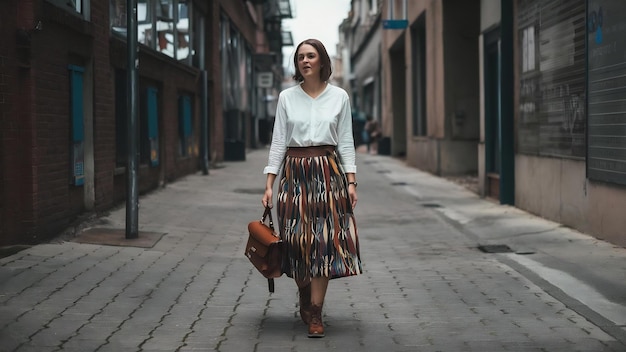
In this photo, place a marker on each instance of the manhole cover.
(495, 248)
(399, 183)
(383, 171)
(431, 205)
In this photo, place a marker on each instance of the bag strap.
(268, 213)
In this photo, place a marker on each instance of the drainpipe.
(204, 103)
(507, 128)
(204, 124)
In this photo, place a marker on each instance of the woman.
(312, 142)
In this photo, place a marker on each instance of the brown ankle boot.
(316, 326)
(305, 303)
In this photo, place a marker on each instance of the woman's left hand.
(352, 194)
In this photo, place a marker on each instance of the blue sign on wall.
(395, 24)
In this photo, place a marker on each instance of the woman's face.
(309, 63)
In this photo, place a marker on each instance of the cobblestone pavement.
(426, 286)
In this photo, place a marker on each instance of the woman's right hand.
(267, 198)
(269, 185)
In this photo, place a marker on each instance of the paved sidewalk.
(426, 286)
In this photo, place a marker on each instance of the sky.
(319, 19)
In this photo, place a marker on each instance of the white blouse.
(303, 121)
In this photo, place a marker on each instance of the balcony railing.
(277, 10)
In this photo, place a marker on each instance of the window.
(117, 14)
(418, 51)
(162, 25)
(77, 117)
(149, 127)
(528, 49)
(148, 123)
(185, 126)
(373, 7)
(81, 7)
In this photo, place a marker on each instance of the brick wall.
(17, 142)
(37, 200)
(216, 121)
(104, 107)
(171, 79)
(36, 119)
(7, 131)
(65, 39)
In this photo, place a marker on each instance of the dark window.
(418, 35)
(185, 127)
(78, 133)
(80, 7)
(149, 127)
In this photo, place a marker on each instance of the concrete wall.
(424, 154)
(490, 12)
(451, 88)
(396, 42)
(557, 189)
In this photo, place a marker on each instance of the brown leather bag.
(264, 248)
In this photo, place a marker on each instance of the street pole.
(204, 117)
(205, 123)
(132, 193)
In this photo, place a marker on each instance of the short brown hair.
(326, 69)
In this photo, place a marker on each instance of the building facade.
(64, 107)
(527, 93)
(552, 140)
(569, 89)
(361, 46)
(430, 111)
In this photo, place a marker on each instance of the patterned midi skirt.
(316, 219)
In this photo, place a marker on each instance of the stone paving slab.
(426, 286)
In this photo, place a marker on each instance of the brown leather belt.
(308, 152)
